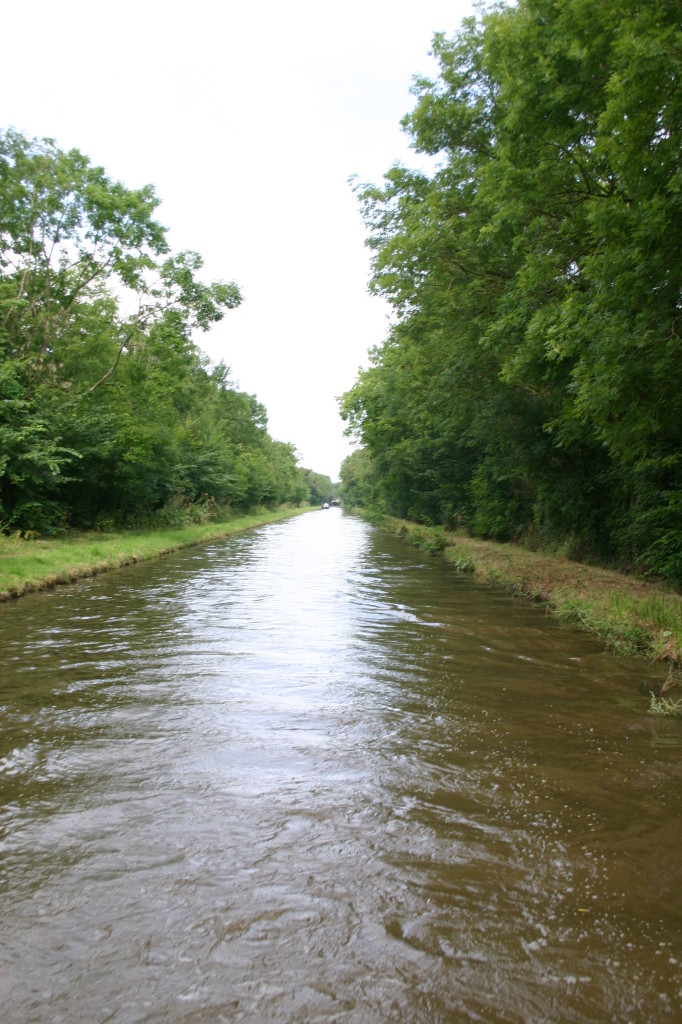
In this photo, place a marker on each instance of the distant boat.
(325, 505)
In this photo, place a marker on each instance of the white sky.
(248, 118)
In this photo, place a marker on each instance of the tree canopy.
(531, 384)
(109, 411)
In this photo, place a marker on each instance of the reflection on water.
(307, 774)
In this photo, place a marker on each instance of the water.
(311, 775)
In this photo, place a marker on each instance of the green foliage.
(359, 482)
(462, 563)
(428, 539)
(109, 412)
(320, 488)
(668, 707)
(531, 383)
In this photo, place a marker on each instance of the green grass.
(37, 564)
(631, 615)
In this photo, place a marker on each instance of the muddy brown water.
(309, 774)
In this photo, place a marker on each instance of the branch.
(124, 345)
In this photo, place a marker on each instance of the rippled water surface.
(308, 774)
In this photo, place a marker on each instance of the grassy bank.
(631, 615)
(38, 564)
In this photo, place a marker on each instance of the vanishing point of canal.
(309, 774)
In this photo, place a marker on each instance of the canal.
(309, 774)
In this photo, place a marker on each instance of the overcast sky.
(248, 118)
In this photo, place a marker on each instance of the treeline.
(531, 383)
(109, 412)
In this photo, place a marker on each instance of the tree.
(531, 382)
(108, 407)
(359, 483)
(319, 487)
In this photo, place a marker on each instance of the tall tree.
(108, 408)
(531, 383)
